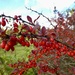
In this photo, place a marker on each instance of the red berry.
(2, 45)
(7, 47)
(23, 43)
(22, 38)
(3, 23)
(27, 44)
(12, 48)
(34, 52)
(15, 24)
(31, 41)
(72, 54)
(35, 44)
(10, 43)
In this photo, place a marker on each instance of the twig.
(40, 14)
(2, 15)
(64, 43)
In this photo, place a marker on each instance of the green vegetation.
(21, 53)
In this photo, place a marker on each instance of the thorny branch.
(41, 15)
(34, 35)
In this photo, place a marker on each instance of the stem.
(57, 73)
(2, 15)
(34, 71)
(15, 54)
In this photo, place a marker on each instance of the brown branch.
(64, 43)
(2, 15)
(40, 36)
(41, 15)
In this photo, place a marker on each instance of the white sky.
(49, 4)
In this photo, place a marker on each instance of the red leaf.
(15, 16)
(15, 24)
(29, 18)
(3, 23)
(37, 26)
(16, 29)
(6, 20)
(36, 18)
(43, 30)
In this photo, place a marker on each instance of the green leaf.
(8, 69)
(1, 60)
(1, 72)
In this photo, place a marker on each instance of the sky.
(17, 7)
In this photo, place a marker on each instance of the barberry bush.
(54, 48)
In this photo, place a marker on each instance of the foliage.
(6, 58)
(51, 46)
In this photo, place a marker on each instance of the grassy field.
(20, 53)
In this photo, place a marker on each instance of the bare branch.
(40, 14)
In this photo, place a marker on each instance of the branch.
(40, 36)
(2, 15)
(40, 14)
(64, 43)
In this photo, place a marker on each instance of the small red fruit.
(3, 23)
(12, 48)
(27, 44)
(34, 52)
(23, 43)
(2, 45)
(15, 24)
(16, 29)
(7, 47)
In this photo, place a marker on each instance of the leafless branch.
(40, 14)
